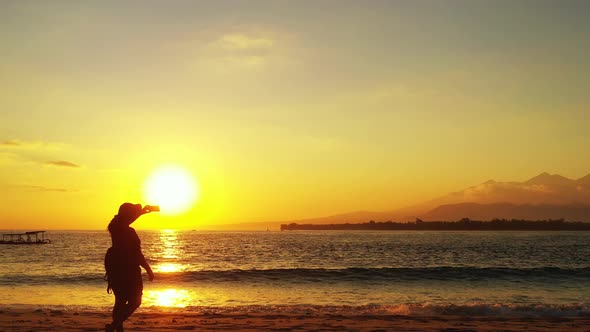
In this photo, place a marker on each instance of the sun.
(173, 188)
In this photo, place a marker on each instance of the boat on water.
(35, 237)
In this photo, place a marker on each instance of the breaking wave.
(408, 309)
(388, 275)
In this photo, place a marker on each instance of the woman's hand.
(150, 274)
(143, 263)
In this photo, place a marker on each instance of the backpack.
(109, 262)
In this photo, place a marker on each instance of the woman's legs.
(123, 309)
(119, 312)
(131, 306)
(127, 300)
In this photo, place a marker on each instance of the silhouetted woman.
(123, 263)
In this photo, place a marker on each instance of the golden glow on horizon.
(173, 188)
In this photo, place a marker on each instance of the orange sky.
(282, 110)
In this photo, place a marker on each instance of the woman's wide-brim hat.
(129, 210)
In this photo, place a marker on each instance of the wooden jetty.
(36, 237)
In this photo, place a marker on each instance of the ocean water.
(413, 273)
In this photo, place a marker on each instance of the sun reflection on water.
(178, 298)
(169, 252)
(170, 244)
(169, 267)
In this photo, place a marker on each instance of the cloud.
(35, 152)
(62, 163)
(240, 50)
(47, 189)
(11, 143)
(19, 144)
(240, 42)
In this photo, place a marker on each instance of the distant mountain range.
(544, 188)
(545, 196)
(572, 212)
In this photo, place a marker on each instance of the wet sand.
(63, 320)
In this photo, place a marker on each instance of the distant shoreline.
(461, 225)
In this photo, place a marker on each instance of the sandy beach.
(63, 320)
